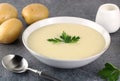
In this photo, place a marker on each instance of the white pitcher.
(108, 16)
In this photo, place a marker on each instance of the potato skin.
(34, 12)
(10, 30)
(7, 11)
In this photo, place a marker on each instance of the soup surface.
(90, 43)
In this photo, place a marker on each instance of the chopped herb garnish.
(64, 38)
(109, 72)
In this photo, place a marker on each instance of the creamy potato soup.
(90, 43)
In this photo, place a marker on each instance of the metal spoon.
(18, 64)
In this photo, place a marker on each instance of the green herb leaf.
(65, 38)
(109, 72)
(55, 40)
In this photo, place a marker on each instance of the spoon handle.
(43, 74)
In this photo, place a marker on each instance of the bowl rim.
(52, 18)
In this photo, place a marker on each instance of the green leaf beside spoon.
(109, 72)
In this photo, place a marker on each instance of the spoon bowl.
(15, 63)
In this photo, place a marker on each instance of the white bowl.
(65, 63)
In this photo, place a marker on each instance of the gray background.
(78, 8)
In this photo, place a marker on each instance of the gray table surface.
(78, 8)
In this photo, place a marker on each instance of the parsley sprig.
(64, 37)
(110, 72)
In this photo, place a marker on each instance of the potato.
(7, 11)
(10, 30)
(34, 12)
